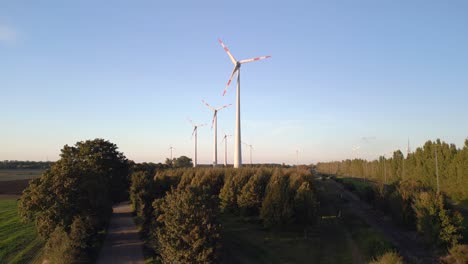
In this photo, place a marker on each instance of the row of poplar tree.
(180, 208)
(436, 164)
(418, 191)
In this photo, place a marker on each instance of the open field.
(13, 188)
(19, 174)
(19, 242)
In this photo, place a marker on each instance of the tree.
(438, 224)
(305, 206)
(251, 195)
(182, 162)
(187, 229)
(277, 208)
(81, 185)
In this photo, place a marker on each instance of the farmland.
(19, 174)
(19, 242)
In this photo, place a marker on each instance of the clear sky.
(132, 72)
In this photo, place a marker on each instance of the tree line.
(420, 165)
(16, 164)
(180, 209)
(417, 191)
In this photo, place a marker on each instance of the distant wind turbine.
(225, 148)
(250, 146)
(171, 148)
(214, 123)
(237, 137)
(195, 132)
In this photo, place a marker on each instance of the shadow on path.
(122, 243)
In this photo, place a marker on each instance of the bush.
(187, 229)
(388, 258)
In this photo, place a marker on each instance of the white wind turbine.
(171, 149)
(195, 132)
(237, 137)
(225, 148)
(214, 123)
(251, 148)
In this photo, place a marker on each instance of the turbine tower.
(250, 146)
(225, 148)
(171, 148)
(214, 123)
(237, 134)
(195, 132)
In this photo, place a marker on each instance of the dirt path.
(407, 243)
(122, 243)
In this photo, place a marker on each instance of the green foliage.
(187, 226)
(458, 254)
(180, 162)
(417, 166)
(435, 221)
(76, 194)
(277, 207)
(388, 258)
(234, 181)
(251, 195)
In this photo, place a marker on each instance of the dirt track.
(122, 243)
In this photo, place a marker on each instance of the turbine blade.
(236, 68)
(224, 106)
(194, 129)
(227, 51)
(254, 59)
(209, 106)
(199, 125)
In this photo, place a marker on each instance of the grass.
(19, 242)
(19, 174)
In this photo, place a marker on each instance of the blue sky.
(133, 72)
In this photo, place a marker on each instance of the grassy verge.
(19, 242)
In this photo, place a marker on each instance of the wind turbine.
(171, 148)
(250, 146)
(225, 148)
(237, 137)
(214, 123)
(195, 130)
